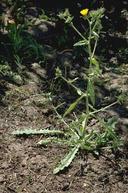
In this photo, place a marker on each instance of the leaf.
(46, 141)
(111, 122)
(67, 160)
(91, 91)
(81, 43)
(72, 106)
(69, 19)
(37, 132)
(96, 63)
(72, 81)
(84, 122)
(96, 35)
(79, 92)
(54, 140)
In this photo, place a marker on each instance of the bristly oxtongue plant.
(79, 135)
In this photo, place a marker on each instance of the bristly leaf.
(46, 141)
(81, 43)
(97, 67)
(56, 140)
(37, 132)
(91, 91)
(67, 160)
(72, 106)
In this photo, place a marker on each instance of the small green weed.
(21, 48)
(7, 73)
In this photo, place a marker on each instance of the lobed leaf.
(54, 140)
(67, 160)
(37, 132)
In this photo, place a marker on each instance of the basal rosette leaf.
(67, 160)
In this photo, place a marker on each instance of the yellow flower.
(84, 12)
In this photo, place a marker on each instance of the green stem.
(103, 109)
(72, 85)
(90, 66)
(94, 49)
(78, 32)
(89, 40)
(87, 115)
(62, 119)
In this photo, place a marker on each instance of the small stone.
(85, 185)
(65, 186)
(2, 178)
(4, 165)
(24, 163)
